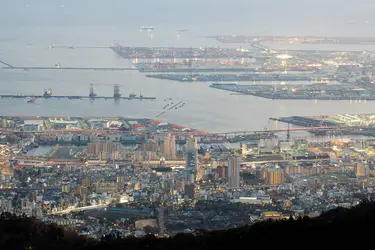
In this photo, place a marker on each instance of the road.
(79, 209)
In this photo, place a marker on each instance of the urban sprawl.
(137, 176)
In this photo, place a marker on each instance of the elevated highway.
(198, 133)
(78, 209)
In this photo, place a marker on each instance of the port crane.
(116, 92)
(92, 93)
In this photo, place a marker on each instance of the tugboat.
(31, 100)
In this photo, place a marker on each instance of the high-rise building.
(190, 191)
(93, 148)
(150, 146)
(191, 142)
(65, 187)
(221, 171)
(96, 148)
(243, 149)
(233, 172)
(168, 147)
(192, 159)
(274, 176)
(86, 182)
(360, 170)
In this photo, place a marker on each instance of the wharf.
(306, 121)
(170, 53)
(301, 92)
(68, 68)
(241, 78)
(190, 70)
(75, 97)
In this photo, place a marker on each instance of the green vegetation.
(83, 124)
(48, 123)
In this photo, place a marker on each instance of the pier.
(67, 68)
(92, 96)
(76, 97)
(301, 91)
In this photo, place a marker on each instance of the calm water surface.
(28, 28)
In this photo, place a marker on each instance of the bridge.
(282, 160)
(78, 47)
(7, 64)
(181, 133)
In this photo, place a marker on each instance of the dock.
(92, 96)
(241, 77)
(76, 97)
(301, 91)
(68, 68)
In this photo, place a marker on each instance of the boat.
(144, 28)
(31, 100)
(132, 95)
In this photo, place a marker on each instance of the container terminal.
(92, 96)
(248, 77)
(227, 66)
(301, 91)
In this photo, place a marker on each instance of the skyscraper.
(168, 148)
(233, 172)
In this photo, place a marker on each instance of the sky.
(305, 17)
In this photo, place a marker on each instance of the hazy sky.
(255, 15)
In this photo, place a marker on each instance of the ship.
(147, 28)
(31, 100)
(132, 95)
